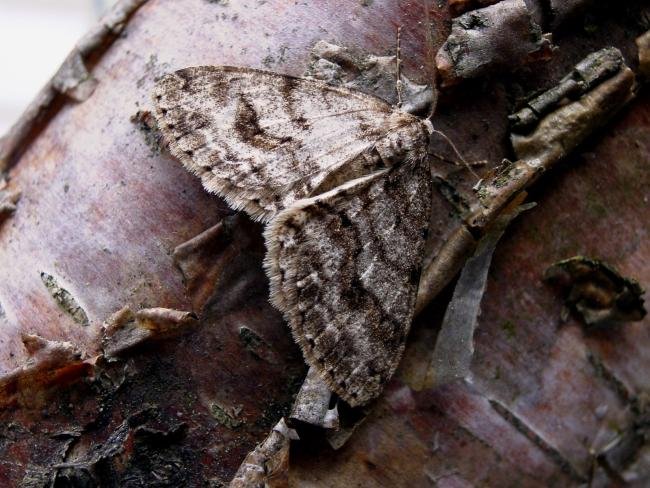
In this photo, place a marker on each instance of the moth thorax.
(408, 141)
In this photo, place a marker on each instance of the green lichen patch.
(509, 328)
(65, 300)
(226, 416)
(257, 346)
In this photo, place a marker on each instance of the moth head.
(428, 126)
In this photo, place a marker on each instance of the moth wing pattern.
(262, 140)
(345, 268)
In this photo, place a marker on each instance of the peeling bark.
(563, 130)
(52, 365)
(376, 75)
(126, 330)
(499, 37)
(555, 127)
(73, 78)
(267, 465)
(597, 293)
(147, 436)
(312, 404)
(452, 355)
(214, 261)
(589, 73)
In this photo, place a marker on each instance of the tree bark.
(138, 344)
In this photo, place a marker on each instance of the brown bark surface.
(107, 219)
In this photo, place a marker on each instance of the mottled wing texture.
(263, 140)
(344, 269)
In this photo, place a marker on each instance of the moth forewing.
(262, 140)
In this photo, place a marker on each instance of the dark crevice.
(554, 454)
(611, 380)
(546, 14)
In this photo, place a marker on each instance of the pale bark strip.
(444, 266)
(454, 348)
(268, 464)
(312, 404)
(72, 80)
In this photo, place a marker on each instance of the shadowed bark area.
(96, 217)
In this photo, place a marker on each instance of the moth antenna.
(398, 60)
(434, 39)
(456, 151)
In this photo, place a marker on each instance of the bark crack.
(553, 453)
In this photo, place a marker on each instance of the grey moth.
(342, 181)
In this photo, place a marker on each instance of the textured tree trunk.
(137, 343)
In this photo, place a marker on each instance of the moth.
(342, 181)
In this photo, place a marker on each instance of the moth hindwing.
(342, 179)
